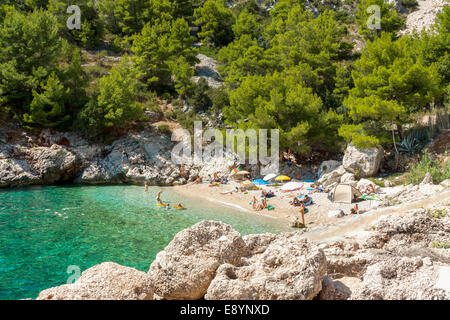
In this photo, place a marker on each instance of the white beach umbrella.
(269, 176)
(291, 186)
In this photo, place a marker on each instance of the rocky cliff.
(55, 157)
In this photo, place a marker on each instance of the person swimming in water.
(158, 197)
(146, 186)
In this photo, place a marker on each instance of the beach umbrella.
(269, 176)
(259, 182)
(234, 171)
(291, 186)
(282, 178)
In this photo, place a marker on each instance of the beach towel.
(369, 197)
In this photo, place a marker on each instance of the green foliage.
(434, 47)
(246, 24)
(282, 101)
(414, 142)
(159, 46)
(319, 44)
(47, 108)
(410, 3)
(92, 29)
(377, 182)
(220, 99)
(199, 98)
(34, 63)
(391, 83)
(437, 213)
(390, 21)
(440, 245)
(114, 106)
(164, 129)
(216, 22)
(183, 73)
(358, 136)
(439, 171)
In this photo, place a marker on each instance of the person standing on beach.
(158, 197)
(302, 212)
(254, 203)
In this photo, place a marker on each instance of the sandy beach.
(317, 215)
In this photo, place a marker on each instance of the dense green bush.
(439, 171)
(164, 129)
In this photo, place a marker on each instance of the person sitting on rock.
(355, 209)
(370, 189)
(124, 156)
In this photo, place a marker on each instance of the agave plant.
(414, 142)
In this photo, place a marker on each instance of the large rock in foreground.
(105, 281)
(399, 258)
(186, 267)
(362, 162)
(284, 267)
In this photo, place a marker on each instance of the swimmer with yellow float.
(179, 206)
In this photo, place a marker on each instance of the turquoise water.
(44, 230)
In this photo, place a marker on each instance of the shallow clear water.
(44, 230)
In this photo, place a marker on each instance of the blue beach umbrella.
(259, 182)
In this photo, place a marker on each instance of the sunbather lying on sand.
(267, 194)
(198, 180)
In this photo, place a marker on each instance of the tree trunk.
(395, 147)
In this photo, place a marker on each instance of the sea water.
(49, 233)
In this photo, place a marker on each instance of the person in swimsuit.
(146, 186)
(302, 212)
(158, 197)
(124, 156)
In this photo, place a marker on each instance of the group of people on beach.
(257, 206)
(159, 201)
